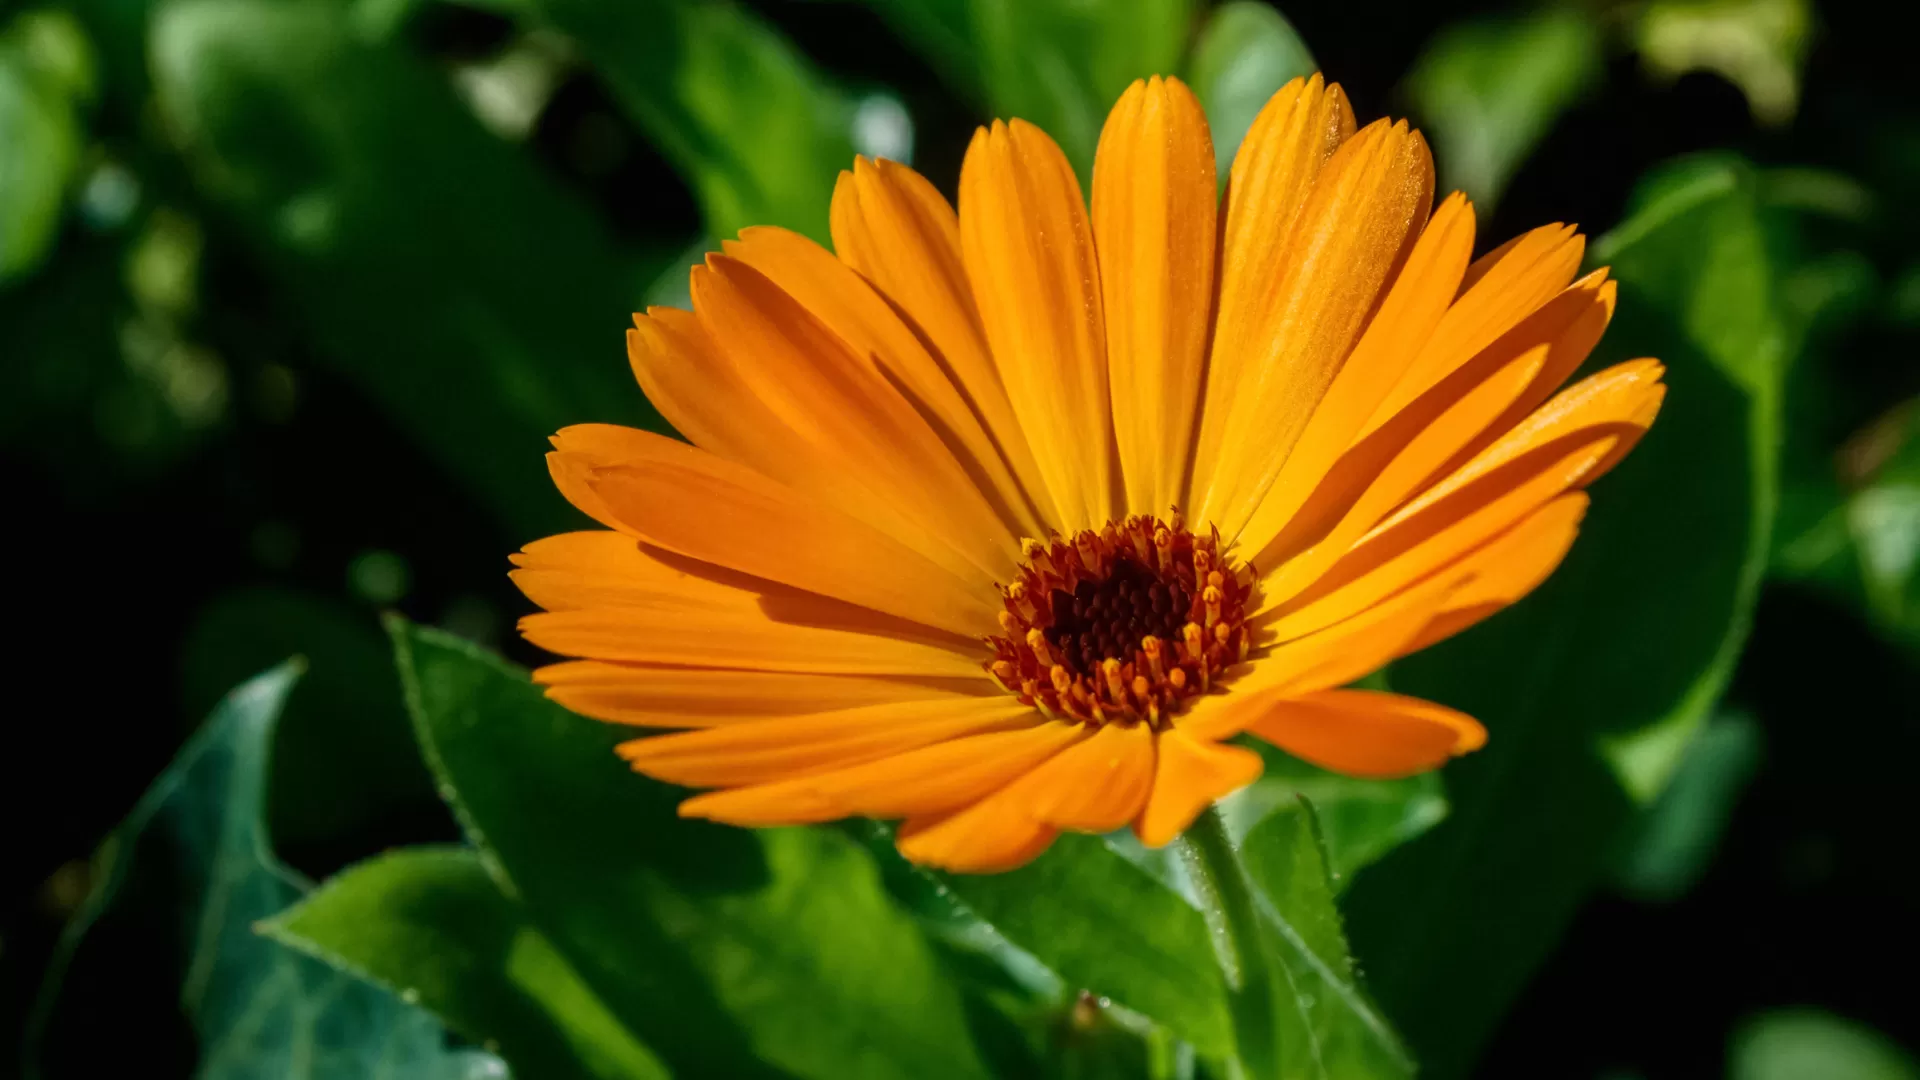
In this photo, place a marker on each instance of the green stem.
(1225, 894)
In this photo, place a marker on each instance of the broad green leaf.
(1676, 837)
(1806, 1044)
(1325, 1027)
(729, 952)
(193, 864)
(1246, 51)
(439, 268)
(1360, 820)
(1105, 924)
(430, 925)
(1059, 64)
(1488, 91)
(758, 133)
(45, 72)
(347, 752)
(1591, 687)
(1760, 46)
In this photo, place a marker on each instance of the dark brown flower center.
(1120, 625)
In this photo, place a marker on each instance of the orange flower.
(1001, 522)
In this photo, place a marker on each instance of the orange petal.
(761, 751)
(1508, 568)
(691, 502)
(1430, 437)
(1500, 289)
(1420, 295)
(1367, 733)
(1029, 254)
(842, 403)
(1154, 200)
(1190, 776)
(1364, 211)
(579, 570)
(1332, 657)
(676, 697)
(706, 398)
(752, 640)
(836, 295)
(899, 232)
(1568, 444)
(931, 780)
(1289, 144)
(1095, 785)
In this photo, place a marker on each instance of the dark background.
(116, 560)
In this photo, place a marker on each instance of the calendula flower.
(1002, 522)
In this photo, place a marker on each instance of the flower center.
(1120, 625)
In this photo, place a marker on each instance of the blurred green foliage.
(196, 849)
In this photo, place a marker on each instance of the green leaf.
(1123, 924)
(1325, 1026)
(1592, 686)
(436, 266)
(1806, 1044)
(45, 71)
(347, 756)
(1760, 46)
(192, 870)
(1491, 89)
(430, 925)
(1105, 924)
(730, 952)
(1060, 64)
(1360, 820)
(1246, 52)
(1675, 839)
(755, 129)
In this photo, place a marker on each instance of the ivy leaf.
(194, 864)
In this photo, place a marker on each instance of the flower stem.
(1225, 894)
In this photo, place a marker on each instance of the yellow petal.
(1363, 212)
(1154, 200)
(1029, 254)
(899, 233)
(1367, 733)
(1190, 776)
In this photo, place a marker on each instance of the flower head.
(1002, 522)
